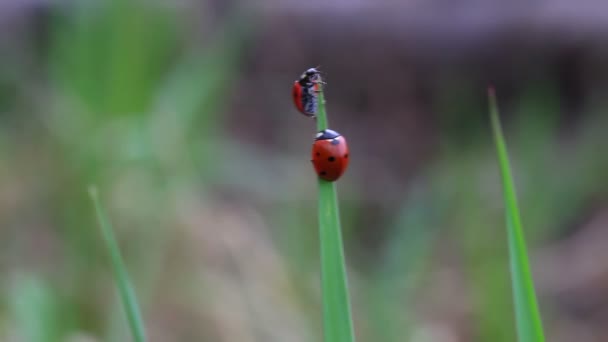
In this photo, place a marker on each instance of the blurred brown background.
(181, 113)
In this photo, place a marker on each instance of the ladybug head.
(311, 75)
(327, 134)
(311, 72)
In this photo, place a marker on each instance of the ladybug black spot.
(331, 159)
(346, 155)
(322, 173)
(318, 154)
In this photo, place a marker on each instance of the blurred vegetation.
(180, 113)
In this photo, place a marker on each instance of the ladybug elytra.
(329, 155)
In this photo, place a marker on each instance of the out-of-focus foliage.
(181, 113)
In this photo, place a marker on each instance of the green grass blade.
(127, 294)
(337, 321)
(527, 316)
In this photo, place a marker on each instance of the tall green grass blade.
(337, 321)
(527, 315)
(127, 294)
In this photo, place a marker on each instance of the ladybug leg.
(320, 82)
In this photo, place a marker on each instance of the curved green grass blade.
(527, 316)
(127, 294)
(337, 321)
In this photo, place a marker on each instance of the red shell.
(330, 158)
(296, 93)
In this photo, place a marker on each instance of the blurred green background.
(180, 112)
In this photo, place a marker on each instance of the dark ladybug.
(329, 155)
(305, 91)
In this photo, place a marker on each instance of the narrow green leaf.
(127, 294)
(337, 321)
(527, 316)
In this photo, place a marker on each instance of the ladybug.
(305, 91)
(329, 155)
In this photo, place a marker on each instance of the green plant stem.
(337, 320)
(127, 294)
(321, 117)
(527, 315)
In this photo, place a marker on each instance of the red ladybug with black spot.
(329, 155)
(305, 90)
